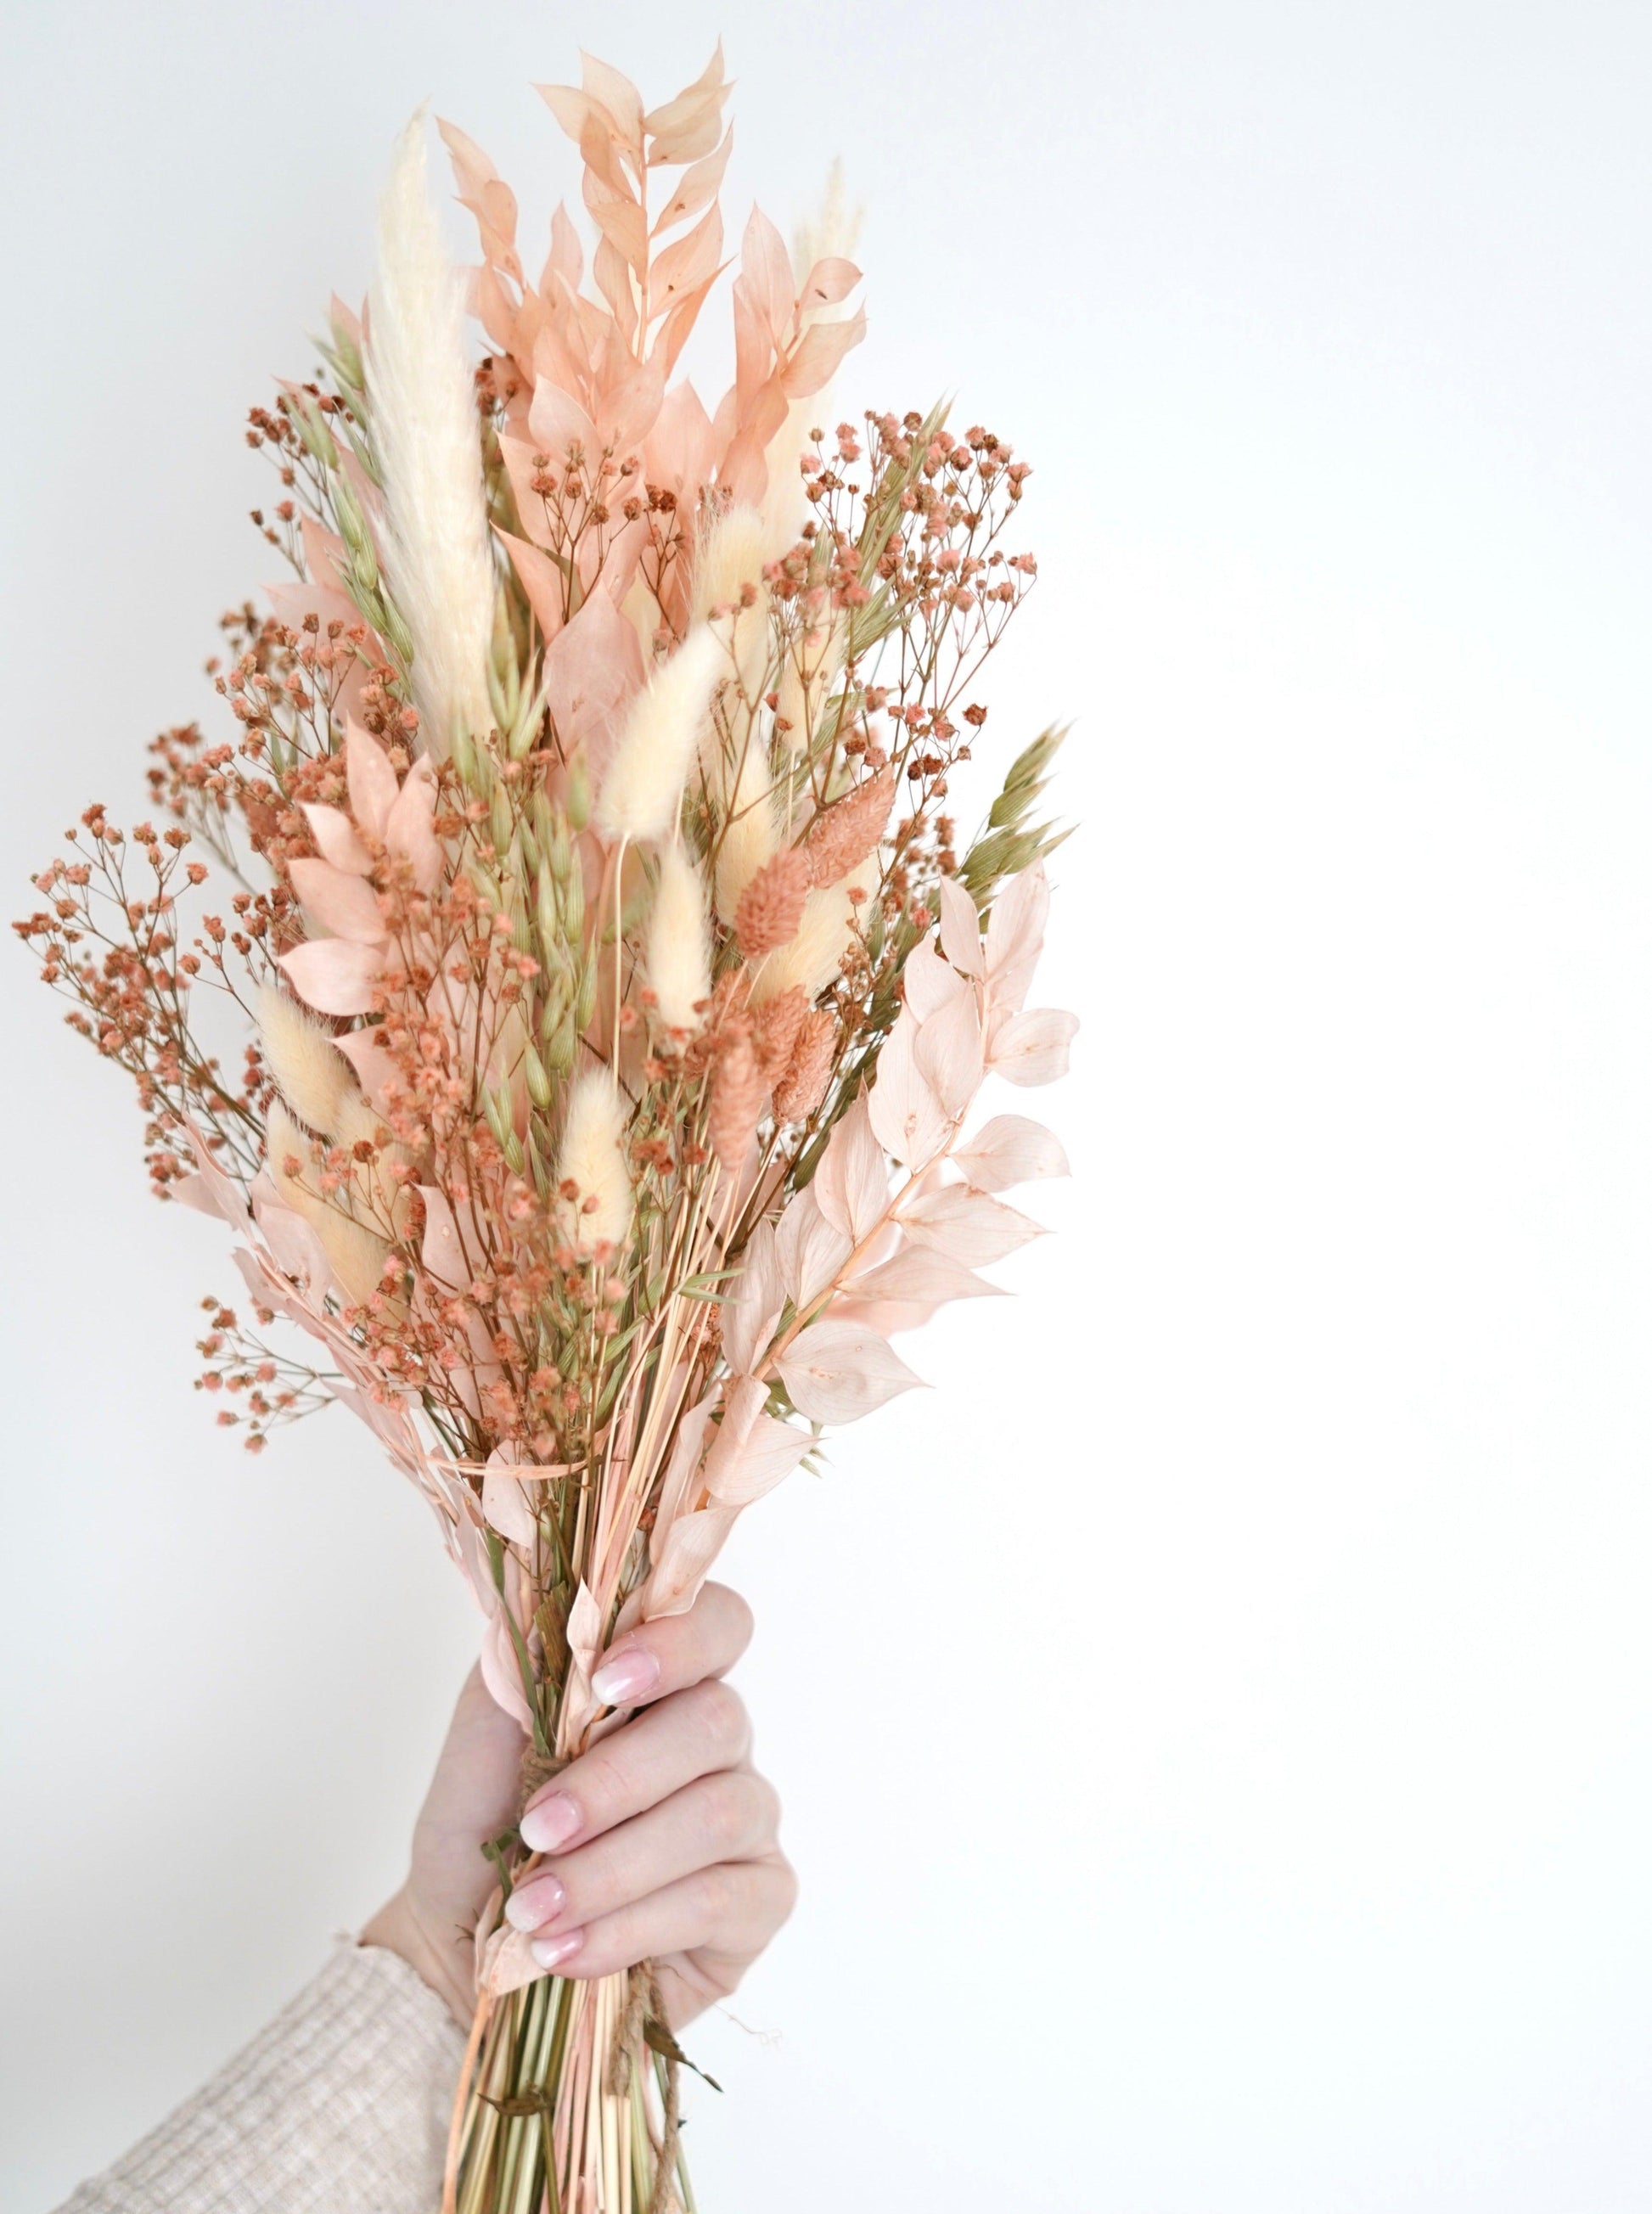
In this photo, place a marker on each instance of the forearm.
(338, 2106)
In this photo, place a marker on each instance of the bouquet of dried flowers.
(615, 989)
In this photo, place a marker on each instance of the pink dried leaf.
(752, 1309)
(686, 264)
(334, 975)
(697, 187)
(541, 579)
(593, 669)
(504, 1503)
(814, 361)
(906, 1116)
(501, 1673)
(371, 779)
(765, 271)
(851, 1184)
(335, 835)
(1033, 1047)
(960, 929)
(808, 1248)
(692, 1544)
(614, 92)
(949, 1053)
(831, 279)
(409, 833)
(507, 1963)
(967, 1225)
(921, 1273)
(442, 1254)
(1009, 1150)
(345, 905)
(835, 1373)
(928, 983)
(676, 126)
(556, 423)
(765, 1457)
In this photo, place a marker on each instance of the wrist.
(445, 1964)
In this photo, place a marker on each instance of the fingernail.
(546, 1826)
(551, 1952)
(626, 1676)
(538, 1901)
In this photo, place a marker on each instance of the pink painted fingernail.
(535, 1902)
(624, 1677)
(551, 1952)
(547, 1825)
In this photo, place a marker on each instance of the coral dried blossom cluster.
(579, 889)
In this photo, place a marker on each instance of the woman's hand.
(659, 1844)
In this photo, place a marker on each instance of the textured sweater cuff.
(340, 2106)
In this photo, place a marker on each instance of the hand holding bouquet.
(616, 992)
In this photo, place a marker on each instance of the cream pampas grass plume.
(592, 1160)
(427, 438)
(642, 788)
(679, 956)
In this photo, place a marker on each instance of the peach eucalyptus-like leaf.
(501, 1673)
(766, 1456)
(372, 780)
(811, 1249)
(441, 1253)
(752, 1309)
(906, 1116)
(334, 975)
(335, 833)
(1033, 1047)
(692, 1544)
(1011, 1149)
(949, 1053)
(766, 271)
(921, 1273)
(507, 1963)
(1015, 929)
(374, 1067)
(409, 834)
(345, 905)
(835, 1371)
(593, 669)
(815, 361)
(960, 929)
(967, 1225)
(929, 984)
(683, 1468)
(557, 421)
(831, 279)
(697, 187)
(539, 576)
(504, 1502)
(851, 1184)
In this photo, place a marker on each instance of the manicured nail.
(624, 1677)
(546, 1826)
(538, 1901)
(551, 1952)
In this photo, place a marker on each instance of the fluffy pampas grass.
(679, 955)
(425, 432)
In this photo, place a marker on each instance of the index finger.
(675, 1652)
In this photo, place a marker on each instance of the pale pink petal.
(409, 834)
(1015, 929)
(335, 833)
(906, 1116)
(836, 1373)
(765, 274)
(1009, 1150)
(442, 1254)
(815, 361)
(345, 905)
(949, 1054)
(507, 1962)
(1033, 1047)
(557, 421)
(541, 579)
(888, 1317)
(967, 1225)
(333, 975)
(960, 927)
(372, 780)
(918, 1273)
(683, 1469)
(851, 1184)
(501, 1671)
(809, 1249)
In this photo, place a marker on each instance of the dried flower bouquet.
(615, 993)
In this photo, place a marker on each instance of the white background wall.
(1216, 1723)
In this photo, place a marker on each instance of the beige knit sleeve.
(340, 2106)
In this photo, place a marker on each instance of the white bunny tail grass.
(643, 785)
(312, 1075)
(429, 446)
(592, 1160)
(678, 957)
